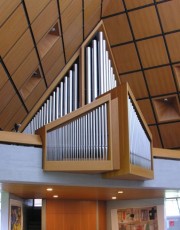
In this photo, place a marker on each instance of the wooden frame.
(128, 170)
(89, 165)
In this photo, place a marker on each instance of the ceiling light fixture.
(114, 198)
(49, 189)
(55, 196)
(120, 192)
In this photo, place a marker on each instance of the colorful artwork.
(137, 218)
(16, 218)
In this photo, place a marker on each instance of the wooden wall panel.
(19, 52)
(54, 53)
(25, 69)
(169, 14)
(150, 25)
(111, 7)
(35, 7)
(70, 13)
(170, 134)
(12, 30)
(134, 3)
(6, 93)
(3, 76)
(45, 20)
(35, 95)
(177, 75)
(174, 46)
(7, 7)
(152, 52)
(118, 29)
(126, 58)
(160, 81)
(146, 109)
(102, 215)
(137, 84)
(76, 215)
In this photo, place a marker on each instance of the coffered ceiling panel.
(7, 7)
(150, 25)
(174, 46)
(146, 109)
(144, 37)
(137, 84)
(156, 136)
(169, 14)
(152, 52)
(135, 3)
(3, 76)
(168, 133)
(126, 58)
(19, 52)
(160, 81)
(111, 7)
(12, 30)
(118, 29)
(35, 7)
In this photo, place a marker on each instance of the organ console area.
(90, 122)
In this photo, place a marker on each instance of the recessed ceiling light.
(49, 189)
(120, 192)
(114, 197)
(55, 196)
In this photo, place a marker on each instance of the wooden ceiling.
(144, 37)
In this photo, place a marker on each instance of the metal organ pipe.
(140, 146)
(64, 99)
(79, 139)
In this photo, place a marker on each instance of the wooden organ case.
(91, 122)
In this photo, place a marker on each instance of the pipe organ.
(91, 122)
(64, 99)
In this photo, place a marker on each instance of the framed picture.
(15, 215)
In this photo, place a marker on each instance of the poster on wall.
(137, 218)
(15, 215)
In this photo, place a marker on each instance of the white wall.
(112, 207)
(4, 210)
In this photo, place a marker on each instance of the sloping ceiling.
(38, 38)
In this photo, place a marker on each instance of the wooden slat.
(152, 52)
(174, 46)
(146, 109)
(169, 13)
(55, 69)
(177, 75)
(134, 3)
(25, 69)
(35, 7)
(137, 84)
(20, 138)
(160, 81)
(12, 30)
(3, 76)
(166, 153)
(45, 20)
(19, 52)
(54, 53)
(111, 7)
(6, 93)
(118, 29)
(7, 7)
(126, 58)
(150, 25)
(170, 134)
(71, 13)
(35, 95)
(156, 138)
(92, 12)
(64, 4)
